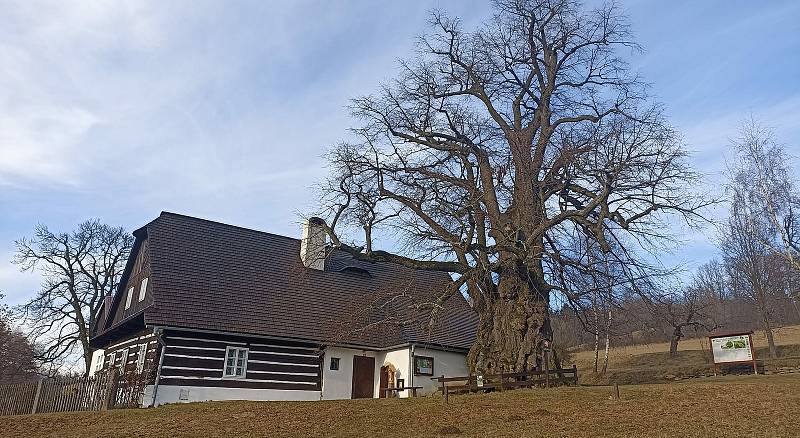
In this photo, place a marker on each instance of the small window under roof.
(355, 270)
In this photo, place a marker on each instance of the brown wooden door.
(363, 376)
(383, 382)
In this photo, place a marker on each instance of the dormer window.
(355, 270)
(143, 290)
(128, 299)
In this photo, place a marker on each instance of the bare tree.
(764, 181)
(763, 224)
(16, 353)
(687, 307)
(748, 260)
(79, 268)
(494, 149)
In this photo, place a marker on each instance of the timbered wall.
(139, 271)
(113, 354)
(197, 359)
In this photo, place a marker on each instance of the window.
(112, 360)
(423, 365)
(235, 362)
(100, 362)
(124, 360)
(140, 358)
(143, 290)
(335, 363)
(128, 299)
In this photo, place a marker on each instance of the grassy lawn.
(650, 363)
(765, 406)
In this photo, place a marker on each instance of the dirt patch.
(450, 430)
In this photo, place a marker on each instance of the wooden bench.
(499, 382)
(413, 389)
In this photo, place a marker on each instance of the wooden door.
(384, 382)
(363, 376)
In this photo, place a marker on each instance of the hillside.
(766, 406)
(650, 363)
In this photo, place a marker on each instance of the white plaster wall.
(171, 394)
(401, 359)
(337, 385)
(444, 362)
(97, 356)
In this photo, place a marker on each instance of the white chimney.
(312, 244)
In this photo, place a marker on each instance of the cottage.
(211, 311)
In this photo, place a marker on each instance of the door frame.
(371, 372)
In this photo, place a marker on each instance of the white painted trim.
(194, 357)
(203, 340)
(143, 289)
(236, 351)
(140, 338)
(238, 380)
(283, 354)
(197, 348)
(248, 371)
(283, 363)
(191, 369)
(286, 373)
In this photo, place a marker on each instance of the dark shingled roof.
(212, 276)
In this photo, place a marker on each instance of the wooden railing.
(503, 381)
(103, 391)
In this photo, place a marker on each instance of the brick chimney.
(312, 244)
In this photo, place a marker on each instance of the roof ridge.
(186, 216)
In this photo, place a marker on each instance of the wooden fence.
(103, 391)
(503, 381)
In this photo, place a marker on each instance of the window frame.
(141, 356)
(129, 298)
(143, 289)
(124, 360)
(236, 348)
(338, 362)
(101, 362)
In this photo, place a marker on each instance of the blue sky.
(119, 110)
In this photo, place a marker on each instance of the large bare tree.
(79, 270)
(494, 150)
(760, 239)
(763, 182)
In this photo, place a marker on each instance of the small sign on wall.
(423, 365)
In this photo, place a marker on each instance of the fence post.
(36, 397)
(575, 373)
(445, 392)
(111, 390)
(546, 369)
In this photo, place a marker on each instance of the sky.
(224, 109)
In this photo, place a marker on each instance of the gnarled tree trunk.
(513, 325)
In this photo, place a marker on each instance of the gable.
(131, 297)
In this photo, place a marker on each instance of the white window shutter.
(143, 290)
(128, 299)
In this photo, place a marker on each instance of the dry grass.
(650, 363)
(766, 406)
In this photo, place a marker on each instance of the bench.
(413, 389)
(499, 382)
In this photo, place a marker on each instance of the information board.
(735, 348)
